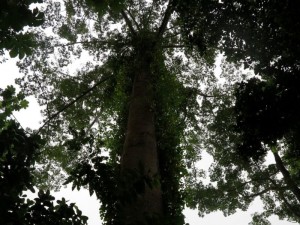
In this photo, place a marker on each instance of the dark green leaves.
(267, 111)
(101, 7)
(20, 46)
(44, 211)
(10, 102)
(101, 179)
(265, 32)
(66, 32)
(18, 154)
(14, 16)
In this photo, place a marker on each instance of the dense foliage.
(18, 155)
(254, 135)
(96, 63)
(14, 16)
(94, 126)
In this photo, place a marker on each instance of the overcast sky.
(89, 205)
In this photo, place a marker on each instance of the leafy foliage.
(261, 118)
(267, 112)
(96, 125)
(14, 16)
(111, 37)
(264, 32)
(238, 119)
(18, 154)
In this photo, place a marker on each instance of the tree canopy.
(261, 118)
(130, 121)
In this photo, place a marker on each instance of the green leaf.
(21, 54)
(24, 104)
(13, 52)
(73, 186)
(91, 191)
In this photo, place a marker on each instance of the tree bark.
(140, 150)
(286, 176)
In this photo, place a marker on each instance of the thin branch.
(109, 42)
(75, 43)
(287, 177)
(172, 35)
(96, 119)
(147, 21)
(207, 96)
(266, 191)
(66, 75)
(286, 202)
(167, 16)
(20, 124)
(72, 102)
(134, 21)
(128, 23)
(175, 46)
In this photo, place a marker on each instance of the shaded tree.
(129, 116)
(261, 116)
(136, 98)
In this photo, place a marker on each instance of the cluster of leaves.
(267, 112)
(18, 155)
(101, 7)
(267, 109)
(265, 32)
(100, 174)
(260, 117)
(201, 25)
(14, 16)
(236, 182)
(103, 179)
(9, 103)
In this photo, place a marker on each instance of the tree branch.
(75, 43)
(87, 42)
(147, 21)
(96, 119)
(207, 96)
(266, 191)
(128, 23)
(175, 46)
(286, 202)
(287, 177)
(167, 16)
(72, 103)
(134, 21)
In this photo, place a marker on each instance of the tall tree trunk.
(140, 150)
